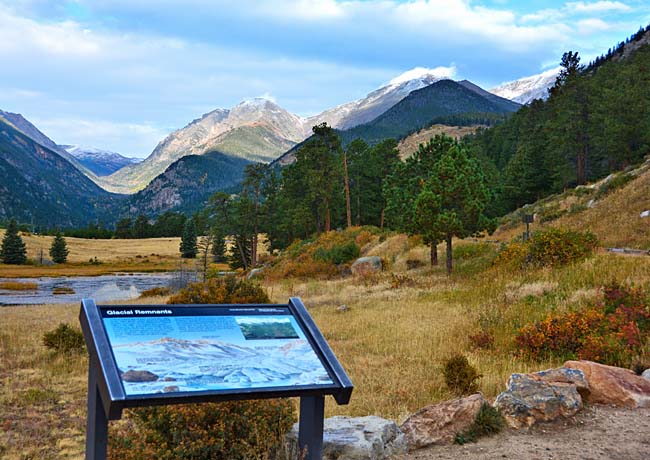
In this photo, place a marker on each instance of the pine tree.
(59, 249)
(13, 249)
(188, 246)
(453, 200)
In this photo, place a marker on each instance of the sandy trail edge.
(598, 432)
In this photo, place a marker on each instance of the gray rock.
(342, 308)
(356, 438)
(440, 423)
(255, 273)
(646, 374)
(645, 214)
(365, 265)
(542, 396)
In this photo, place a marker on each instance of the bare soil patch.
(598, 432)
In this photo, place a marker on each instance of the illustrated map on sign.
(200, 353)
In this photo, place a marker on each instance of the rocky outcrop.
(440, 423)
(613, 385)
(365, 265)
(542, 396)
(357, 438)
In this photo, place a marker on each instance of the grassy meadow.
(400, 327)
(114, 255)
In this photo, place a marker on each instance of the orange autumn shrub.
(614, 333)
(552, 247)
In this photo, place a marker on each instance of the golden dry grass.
(391, 341)
(614, 219)
(42, 395)
(17, 286)
(409, 145)
(116, 255)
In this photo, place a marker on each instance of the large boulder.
(440, 423)
(356, 438)
(613, 385)
(365, 265)
(542, 396)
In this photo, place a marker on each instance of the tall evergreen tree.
(59, 249)
(453, 200)
(13, 249)
(188, 245)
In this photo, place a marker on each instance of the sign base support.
(96, 421)
(310, 426)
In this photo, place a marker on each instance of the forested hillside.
(596, 121)
(39, 186)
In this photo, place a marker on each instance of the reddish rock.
(439, 423)
(613, 385)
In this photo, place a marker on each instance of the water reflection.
(119, 286)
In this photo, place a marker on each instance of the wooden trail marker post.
(259, 351)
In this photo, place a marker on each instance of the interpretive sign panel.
(171, 349)
(142, 355)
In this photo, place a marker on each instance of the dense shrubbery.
(613, 333)
(338, 254)
(224, 290)
(229, 430)
(460, 376)
(216, 431)
(323, 257)
(552, 247)
(64, 339)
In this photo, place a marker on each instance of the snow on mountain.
(366, 109)
(100, 162)
(527, 89)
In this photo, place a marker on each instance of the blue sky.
(121, 74)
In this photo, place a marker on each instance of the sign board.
(143, 355)
(528, 218)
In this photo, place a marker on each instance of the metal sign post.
(528, 219)
(133, 357)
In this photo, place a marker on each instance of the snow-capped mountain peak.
(423, 73)
(101, 162)
(527, 89)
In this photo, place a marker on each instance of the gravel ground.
(598, 432)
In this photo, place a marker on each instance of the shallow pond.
(119, 286)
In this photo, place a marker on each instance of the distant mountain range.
(39, 185)
(254, 130)
(211, 152)
(527, 89)
(100, 162)
(260, 130)
(421, 107)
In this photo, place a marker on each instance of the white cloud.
(591, 25)
(596, 7)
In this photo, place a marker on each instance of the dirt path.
(599, 432)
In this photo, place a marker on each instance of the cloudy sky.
(121, 74)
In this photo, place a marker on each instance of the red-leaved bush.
(614, 333)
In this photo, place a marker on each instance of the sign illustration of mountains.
(212, 353)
